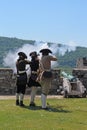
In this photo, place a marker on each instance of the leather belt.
(47, 70)
(34, 72)
(21, 72)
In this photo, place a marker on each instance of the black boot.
(21, 104)
(32, 104)
(17, 102)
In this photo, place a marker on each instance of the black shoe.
(32, 104)
(46, 108)
(17, 102)
(21, 104)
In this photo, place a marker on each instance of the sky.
(57, 21)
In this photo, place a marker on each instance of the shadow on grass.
(50, 108)
(58, 109)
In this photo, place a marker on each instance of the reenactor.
(46, 76)
(21, 77)
(33, 83)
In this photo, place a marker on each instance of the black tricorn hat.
(34, 53)
(22, 54)
(46, 50)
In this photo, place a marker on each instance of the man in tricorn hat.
(21, 77)
(46, 74)
(33, 83)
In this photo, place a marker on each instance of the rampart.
(81, 70)
(8, 82)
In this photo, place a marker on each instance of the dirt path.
(5, 97)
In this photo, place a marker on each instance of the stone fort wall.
(8, 82)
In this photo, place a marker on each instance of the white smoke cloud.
(11, 57)
(70, 46)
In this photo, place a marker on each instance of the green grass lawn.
(64, 114)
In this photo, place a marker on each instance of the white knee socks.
(43, 100)
(33, 93)
(17, 96)
(21, 97)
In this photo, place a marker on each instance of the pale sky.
(58, 21)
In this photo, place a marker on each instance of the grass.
(64, 114)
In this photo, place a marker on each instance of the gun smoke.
(11, 57)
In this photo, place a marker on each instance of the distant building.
(81, 70)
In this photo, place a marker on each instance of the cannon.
(73, 88)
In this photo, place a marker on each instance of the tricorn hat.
(22, 54)
(34, 53)
(45, 50)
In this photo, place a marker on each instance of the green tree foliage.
(70, 58)
(67, 60)
(7, 44)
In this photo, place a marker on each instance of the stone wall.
(81, 70)
(81, 63)
(8, 82)
(56, 82)
(81, 73)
